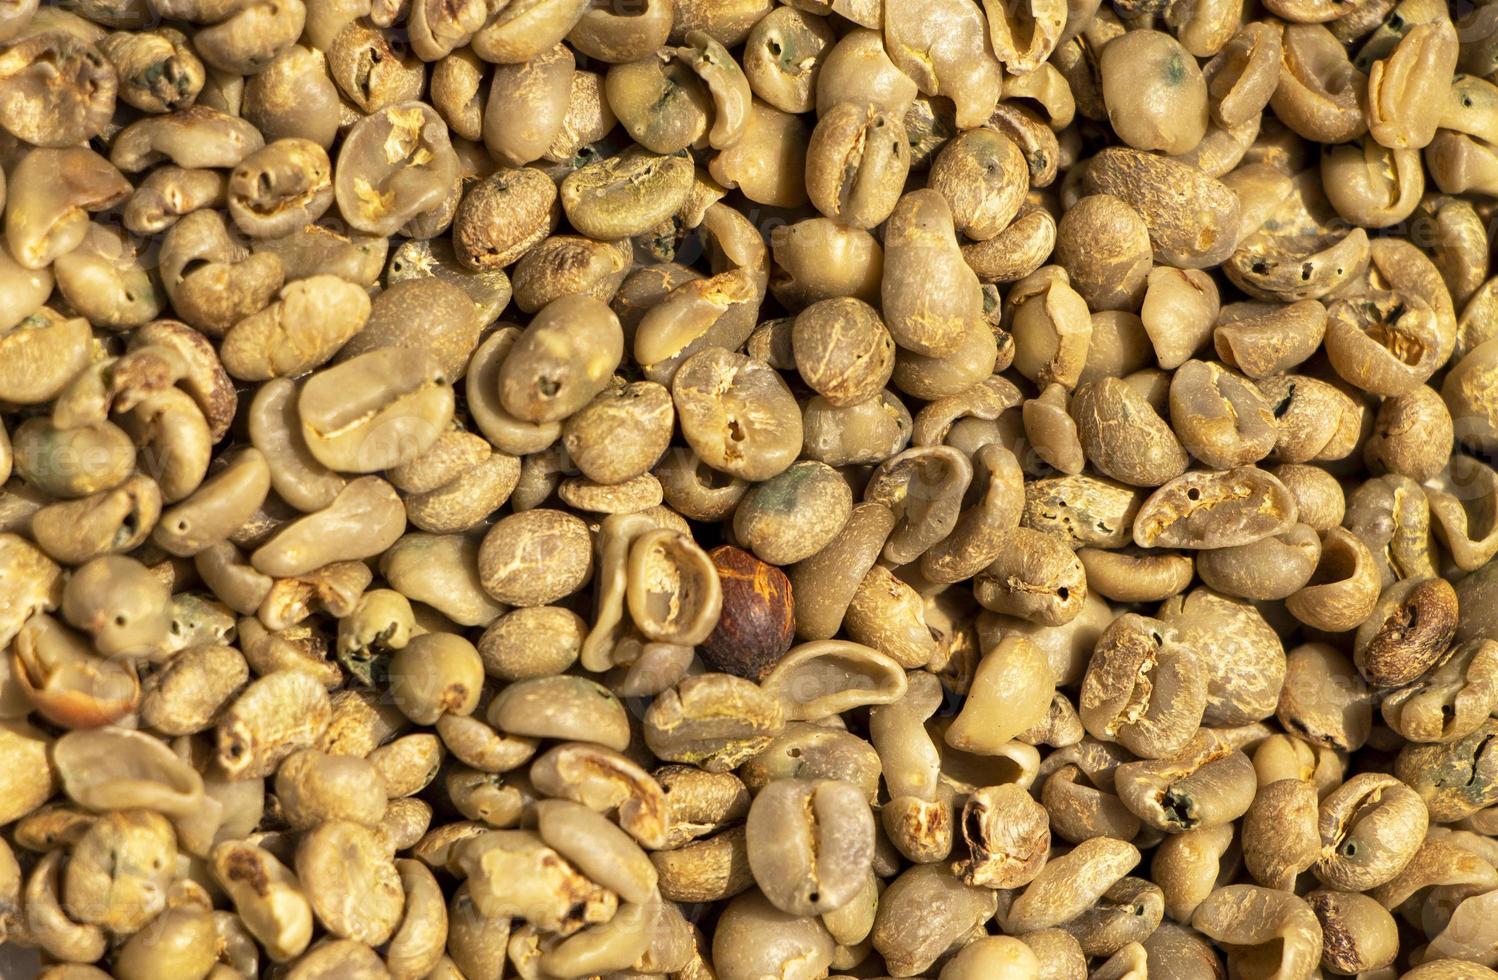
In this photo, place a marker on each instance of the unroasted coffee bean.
(535, 557)
(1123, 436)
(856, 163)
(1192, 218)
(1142, 689)
(1207, 509)
(737, 414)
(811, 844)
(1409, 630)
(758, 620)
(739, 489)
